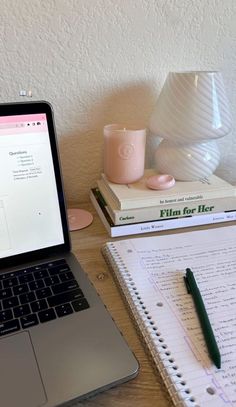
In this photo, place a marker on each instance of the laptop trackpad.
(21, 385)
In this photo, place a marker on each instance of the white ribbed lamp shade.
(191, 111)
(192, 107)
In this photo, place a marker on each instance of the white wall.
(103, 61)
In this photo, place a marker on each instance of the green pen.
(208, 333)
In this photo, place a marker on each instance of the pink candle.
(124, 153)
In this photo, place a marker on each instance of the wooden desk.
(147, 389)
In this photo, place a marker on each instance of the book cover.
(136, 195)
(121, 217)
(155, 225)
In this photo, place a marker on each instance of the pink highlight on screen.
(22, 118)
(18, 124)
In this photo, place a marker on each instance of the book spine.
(161, 200)
(171, 211)
(130, 204)
(159, 225)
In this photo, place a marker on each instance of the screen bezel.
(41, 107)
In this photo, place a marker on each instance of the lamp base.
(79, 219)
(188, 162)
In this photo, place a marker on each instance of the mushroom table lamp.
(191, 113)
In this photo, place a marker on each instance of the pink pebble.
(163, 181)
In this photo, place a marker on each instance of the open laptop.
(57, 340)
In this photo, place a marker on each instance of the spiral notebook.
(149, 271)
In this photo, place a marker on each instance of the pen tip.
(217, 361)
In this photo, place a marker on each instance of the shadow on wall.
(82, 151)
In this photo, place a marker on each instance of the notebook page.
(153, 272)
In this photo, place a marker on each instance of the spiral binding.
(160, 354)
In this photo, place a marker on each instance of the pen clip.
(187, 284)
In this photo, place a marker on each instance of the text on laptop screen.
(29, 210)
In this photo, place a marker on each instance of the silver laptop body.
(57, 341)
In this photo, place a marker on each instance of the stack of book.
(133, 208)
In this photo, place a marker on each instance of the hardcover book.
(203, 207)
(155, 225)
(136, 195)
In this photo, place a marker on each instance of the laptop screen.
(30, 217)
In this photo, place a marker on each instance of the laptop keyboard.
(37, 295)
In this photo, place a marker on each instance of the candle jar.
(124, 153)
